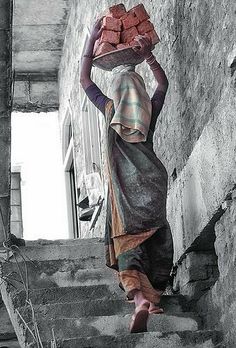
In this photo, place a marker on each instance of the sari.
(138, 239)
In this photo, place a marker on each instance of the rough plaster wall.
(196, 130)
(16, 206)
(5, 75)
(219, 304)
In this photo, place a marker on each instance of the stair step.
(74, 294)
(69, 249)
(7, 331)
(67, 294)
(62, 273)
(86, 242)
(83, 293)
(97, 307)
(185, 339)
(111, 325)
(9, 344)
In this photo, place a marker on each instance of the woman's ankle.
(140, 299)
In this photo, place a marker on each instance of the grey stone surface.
(16, 224)
(16, 228)
(64, 273)
(38, 38)
(36, 95)
(4, 225)
(195, 133)
(112, 325)
(15, 181)
(15, 197)
(38, 35)
(33, 12)
(70, 249)
(5, 73)
(5, 153)
(6, 328)
(16, 213)
(10, 344)
(195, 274)
(75, 312)
(219, 304)
(187, 339)
(172, 305)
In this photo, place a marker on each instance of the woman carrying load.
(138, 237)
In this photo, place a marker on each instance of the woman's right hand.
(96, 30)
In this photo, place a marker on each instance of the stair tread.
(10, 343)
(186, 339)
(62, 273)
(94, 313)
(112, 325)
(98, 307)
(77, 293)
(43, 242)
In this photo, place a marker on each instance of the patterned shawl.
(132, 106)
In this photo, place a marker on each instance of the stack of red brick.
(121, 27)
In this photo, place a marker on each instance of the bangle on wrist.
(87, 56)
(155, 66)
(150, 57)
(150, 62)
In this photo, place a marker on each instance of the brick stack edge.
(121, 27)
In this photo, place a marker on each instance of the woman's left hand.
(143, 45)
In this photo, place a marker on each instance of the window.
(91, 137)
(70, 177)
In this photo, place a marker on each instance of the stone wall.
(196, 132)
(195, 135)
(218, 305)
(16, 206)
(5, 113)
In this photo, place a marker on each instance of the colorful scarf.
(132, 106)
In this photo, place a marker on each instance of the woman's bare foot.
(155, 309)
(140, 317)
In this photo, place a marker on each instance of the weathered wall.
(219, 304)
(195, 135)
(16, 205)
(38, 36)
(5, 77)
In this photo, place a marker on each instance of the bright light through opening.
(36, 150)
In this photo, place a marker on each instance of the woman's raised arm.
(143, 48)
(87, 59)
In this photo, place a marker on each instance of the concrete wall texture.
(196, 132)
(5, 77)
(16, 205)
(218, 305)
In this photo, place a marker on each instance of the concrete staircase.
(7, 333)
(72, 300)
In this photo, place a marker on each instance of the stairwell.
(60, 294)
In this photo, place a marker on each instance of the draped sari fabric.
(138, 239)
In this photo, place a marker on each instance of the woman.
(138, 238)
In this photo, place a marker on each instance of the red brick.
(154, 37)
(112, 37)
(117, 11)
(140, 12)
(133, 43)
(97, 42)
(128, 35)
(110, 23)
(129, 20)
(103, 48)
(145, 27)
(121, 46)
